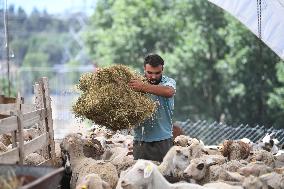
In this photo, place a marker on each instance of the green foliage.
(4, 88)
(220, 67)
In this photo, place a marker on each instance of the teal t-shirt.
(159, 126)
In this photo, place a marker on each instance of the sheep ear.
(148, 171)
(205, 152)
(211, 162)
(200, 166)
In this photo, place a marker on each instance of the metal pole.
(7, 46)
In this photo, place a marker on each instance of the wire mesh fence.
(215, 133)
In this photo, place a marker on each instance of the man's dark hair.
(154, 60)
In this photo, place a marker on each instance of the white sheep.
(209, 168)
(269, 180)
(81, 165)
(255, 168)
(221, 185)
(175, 161)
(262, 155)
(92, 181)
(178, 158)
(144, 174)
(181, 140)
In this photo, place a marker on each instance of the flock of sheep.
(104, 160)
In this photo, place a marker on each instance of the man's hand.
(137, 85)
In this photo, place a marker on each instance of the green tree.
(34, 66)
(220, 67)
(250, 72)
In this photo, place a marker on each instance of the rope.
(258, 9)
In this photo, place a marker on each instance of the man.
(153, 138)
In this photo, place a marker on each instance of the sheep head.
(139, 175)
(198, 168)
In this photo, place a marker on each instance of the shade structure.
(272, 19)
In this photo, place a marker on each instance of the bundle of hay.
(107, 99)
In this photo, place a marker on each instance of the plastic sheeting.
(272, 19)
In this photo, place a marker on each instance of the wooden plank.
(31, 118)
(39, 104)
(28, 108)
(36, 144)
(10, 157)
(8, 124)
(7, 108)
(2, 116)
(6, 100)
(46, 163)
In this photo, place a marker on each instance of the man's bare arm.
(164, 91)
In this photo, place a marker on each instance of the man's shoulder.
(167, 79)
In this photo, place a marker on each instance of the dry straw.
(107, 99)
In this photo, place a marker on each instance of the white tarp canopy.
(272, 19)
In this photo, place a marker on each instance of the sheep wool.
(235, 150)
(82, 166)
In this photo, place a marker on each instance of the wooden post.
(39, 104)
(20, 137)
(48, 120)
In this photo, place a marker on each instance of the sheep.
(93, 147)
(255, 168)
(122, 163)
(176, 159)
(92, 181)
(206, 169)
(66, 178)
(199, 170)
(270, 143)
(273, 180)
(235, 150)
(181, 140)
(34, 159)
(279, 160)
(221, 185)
(252, 182)
(145, 174)
(264, 156)
(184, 141)
(269, 180)
(81, 165)
(212, 150)
(58, 154)
(119, 157)
(30, 134)
(101, 131)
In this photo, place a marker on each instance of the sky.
(55, 6)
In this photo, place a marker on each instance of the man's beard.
(155, 81)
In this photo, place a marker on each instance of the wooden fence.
(15, 116)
